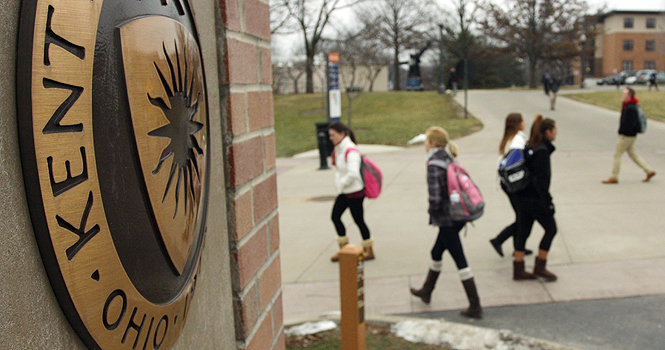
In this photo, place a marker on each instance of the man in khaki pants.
(629, 126)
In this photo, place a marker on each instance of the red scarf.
(630, 100)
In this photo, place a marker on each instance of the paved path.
(610, 241)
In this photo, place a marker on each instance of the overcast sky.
(286, 45)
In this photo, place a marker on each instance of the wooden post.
(352, 295)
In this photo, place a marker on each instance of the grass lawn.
(652, 102)
(377, 338)
(386, 118)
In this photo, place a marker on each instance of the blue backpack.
(513, 173)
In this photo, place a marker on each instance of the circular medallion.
(114, 137)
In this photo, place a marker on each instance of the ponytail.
(343, 129)
(439, 138)
(538, 129)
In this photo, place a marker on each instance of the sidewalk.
(610, 241)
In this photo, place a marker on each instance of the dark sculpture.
(414, 62)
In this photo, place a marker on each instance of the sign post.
(352, 295)
(334, 93)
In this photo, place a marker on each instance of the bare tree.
(536, 30)
(281, 17)
(312, 17)
(397, 24)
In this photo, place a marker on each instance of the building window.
(627, 65)
(628, 45)
(649, 65)
(651, 22)
(628, 22)
(651, 45)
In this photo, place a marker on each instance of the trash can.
(324, 143)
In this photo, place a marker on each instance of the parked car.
(643, 76)
(610, 80)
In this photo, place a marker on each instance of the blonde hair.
(438, 137)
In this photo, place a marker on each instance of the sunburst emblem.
(181, 128)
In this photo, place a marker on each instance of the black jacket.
(539, 165)
(630, 121)
(437, 185)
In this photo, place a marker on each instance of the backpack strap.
(440, 163)
(346, 154)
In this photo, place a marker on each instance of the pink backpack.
(466, 202)
(371, 174)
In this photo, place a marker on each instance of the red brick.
(242, 63)
(257, 19)
(266, 66)
(277, 315)
(269, 283)
(273, 233)
(270, 151)
(252, 256)
(246, 160)
(250, 309)
(265, 198)
(263, 338)
(238, 113)
(243, 215)
(231, 11)
(260, 109)
(281, 342)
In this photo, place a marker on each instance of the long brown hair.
(513, 122)
(538, 129)
(343, 129)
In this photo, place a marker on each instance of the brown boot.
(540, 270)
(342, 241)
(425, 293)
(519, 274)
(474, 310)
(368, 250)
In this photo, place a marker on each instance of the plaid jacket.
(437, 184)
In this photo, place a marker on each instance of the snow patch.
(311, 328)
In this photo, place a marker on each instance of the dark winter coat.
(437, 184)
(630, 121)
(540, 167)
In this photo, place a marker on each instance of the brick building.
(628, 40)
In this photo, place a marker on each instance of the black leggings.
(357, 212)
(528, 211)
(449, 239)
(512, 229)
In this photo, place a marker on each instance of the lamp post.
(582, 58)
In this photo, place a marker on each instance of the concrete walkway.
(610, 241)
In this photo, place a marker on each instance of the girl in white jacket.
(350, 187)
(513, 138)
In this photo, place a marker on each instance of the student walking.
(350, 187)
(448, 237)
(629, 126)
(553, 86)
(534, 203)
(653, 81)
(513, 138)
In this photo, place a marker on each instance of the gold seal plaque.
(113, 128)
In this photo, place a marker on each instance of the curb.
(484, 338)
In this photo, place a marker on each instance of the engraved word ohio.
(115, 149)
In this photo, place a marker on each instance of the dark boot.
(425, 293)
(540, 270)
(519, 274)
(474, 310)
(496, 243)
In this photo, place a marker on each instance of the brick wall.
(614, 54)
(251, 180)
